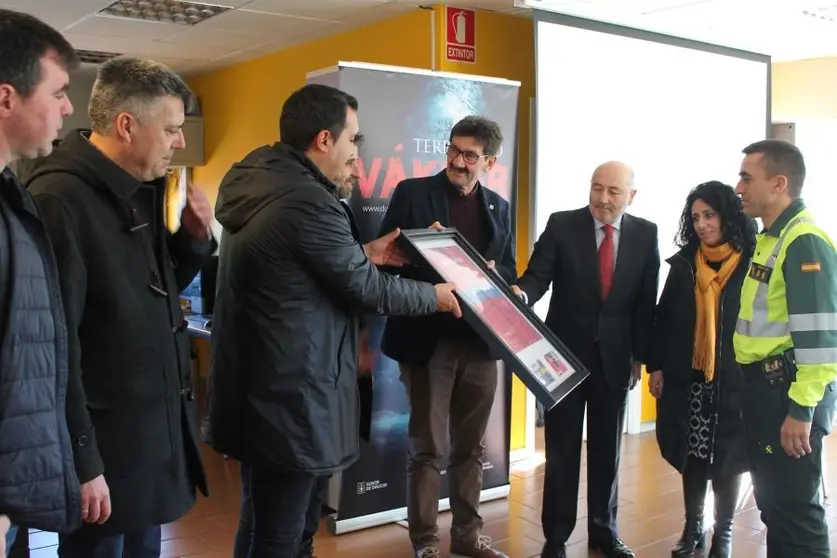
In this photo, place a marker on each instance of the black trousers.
(787, 489)
(563, 438)
(280, 513)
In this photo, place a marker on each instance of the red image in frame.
(498, 313)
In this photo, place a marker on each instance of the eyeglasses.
(469, 156)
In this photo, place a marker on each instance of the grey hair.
(129, 84)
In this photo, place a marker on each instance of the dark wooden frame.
(410, 242)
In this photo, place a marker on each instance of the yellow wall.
(804, 90)
(241, 104)
(649, 404)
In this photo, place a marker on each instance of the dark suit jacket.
(566, 256)
(416, 204)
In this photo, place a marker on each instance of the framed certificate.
(509, 327)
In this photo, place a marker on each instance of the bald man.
(603, 266)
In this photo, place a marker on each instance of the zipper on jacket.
(340, 352)
(716, 402)
(717, 361)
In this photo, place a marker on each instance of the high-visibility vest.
(763, 327)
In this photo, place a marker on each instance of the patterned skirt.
(700, 420)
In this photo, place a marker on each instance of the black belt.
(771, 369)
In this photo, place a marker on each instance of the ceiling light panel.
(165, 11)
(95, 56)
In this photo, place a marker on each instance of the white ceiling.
(776, 27)
(258, 27)
(254, 28)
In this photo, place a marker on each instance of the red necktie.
(606, 261)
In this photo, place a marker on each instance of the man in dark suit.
(447, 369)
(603, 265)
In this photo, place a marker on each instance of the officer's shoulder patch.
(811, 267)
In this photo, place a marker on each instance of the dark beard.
(344, 191)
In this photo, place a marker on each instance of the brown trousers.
(452, 394)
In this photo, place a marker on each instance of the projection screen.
(678, 111)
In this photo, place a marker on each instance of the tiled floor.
(650, 516)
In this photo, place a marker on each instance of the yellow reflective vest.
(789, 301)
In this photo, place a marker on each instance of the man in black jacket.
(38, 484)
(293, 282)
(448, 371)
(130, 403)
(603, 266)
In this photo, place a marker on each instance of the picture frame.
(511, 329)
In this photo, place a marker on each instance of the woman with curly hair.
(694, 375)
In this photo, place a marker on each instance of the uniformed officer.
(786, 342)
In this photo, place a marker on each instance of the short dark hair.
(129, 84)
(24, 40)
(781, 157)
(737, 229)
(485, 131)
(312, 109)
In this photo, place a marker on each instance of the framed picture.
(511, 329)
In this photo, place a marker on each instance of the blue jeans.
(88, 542)
(10, 539)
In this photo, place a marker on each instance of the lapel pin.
(491, 206)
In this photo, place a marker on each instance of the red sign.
(461, 44)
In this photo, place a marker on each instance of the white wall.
(817, 140)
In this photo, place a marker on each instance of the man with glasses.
(447, 369)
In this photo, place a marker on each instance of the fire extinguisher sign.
(461, 35)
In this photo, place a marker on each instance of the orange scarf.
(708, 287)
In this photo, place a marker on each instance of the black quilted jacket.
(38, 484)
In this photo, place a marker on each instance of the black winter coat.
(293, 282)
(131, 412)
(672, 353)
(38, 483)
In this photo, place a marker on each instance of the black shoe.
(694, 494)
(726, 500)
(554, 551)
(614, 548)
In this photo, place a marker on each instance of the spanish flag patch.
(811, 267)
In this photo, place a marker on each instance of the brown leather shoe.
(479, 549)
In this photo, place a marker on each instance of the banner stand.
(406, 116)
(336, 526)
